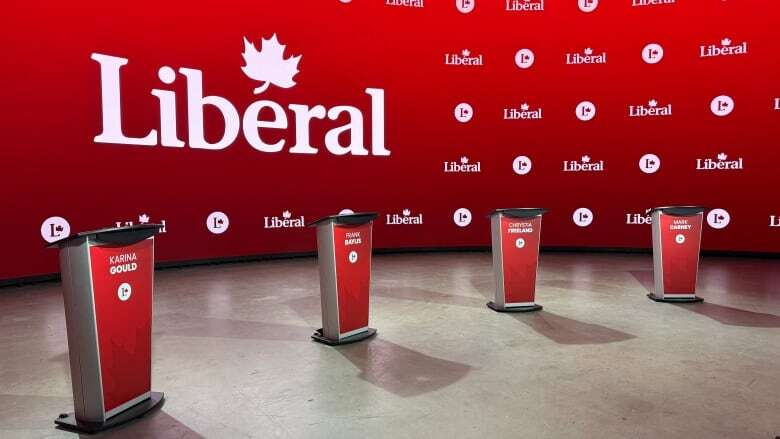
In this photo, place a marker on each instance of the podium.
(676, 243)
(344, 257)
(107, 278)
(515, 237)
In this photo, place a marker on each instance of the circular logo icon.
(346, 212)
(217, 223)
(520, 243)
(524, 58)
(583, 217)
(680, 238)
(353, 256)
(462, 217)
(522, 165)
(585, 111)
(649, 163)
(463, 112)
(465, 6)
(722, 106)
(587, 5)
(653, 53)
(55, 228)
(718, 218)
(124, 292)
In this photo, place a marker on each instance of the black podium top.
(679, 210)
(520, 212)
(114, 235)
(350, 219)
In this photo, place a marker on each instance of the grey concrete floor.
(233, 355)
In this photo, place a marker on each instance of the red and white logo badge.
(585, 111)
(722, 105)
(217, 223)
(649, 163)
(718, 218)
(465, 6)
(583, 217)
(652, 53)
(522, 165)
(524, 58)
(124, 292)
(587, 5)
(463, 112)
(55, 228)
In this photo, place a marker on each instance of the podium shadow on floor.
(190, 326)
(400, 370)
(157, 424)
(564, 330)
(427, 296)
(734, 316)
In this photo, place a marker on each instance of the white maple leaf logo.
(465, 52)
(524, 107)
(268, 65)
(585, 159)
(406, 212)
(464, 160)
(286, 214)
(725, 42)
(652, 103)
(588, 51)
(143, 218)
(722, 156)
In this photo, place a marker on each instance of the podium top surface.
(679, 210)
(520, 212)
(349, 219)
(114, 235)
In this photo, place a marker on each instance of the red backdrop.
(52, 112)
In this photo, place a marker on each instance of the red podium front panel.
(122, 279)
(676, 244)
(352, 246)
(515, 237)
(344, 257)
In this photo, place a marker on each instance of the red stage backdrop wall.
(237, 123)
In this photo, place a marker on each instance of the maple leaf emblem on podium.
(286, 214)
(588, 51)
(722, 156)
(652, 103)
(143, 218)
(524, 107)
(725, 42)
(586, 159)
(464, 160)
(406, 212)
(465, 52)
(268, 65)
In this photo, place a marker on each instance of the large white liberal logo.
(462, 217)
(582, 217)
(585, 111)
(217, 223)
(722, 105)
(718, 218)
(55, 228)
(266, 67)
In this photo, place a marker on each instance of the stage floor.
(233, 355)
